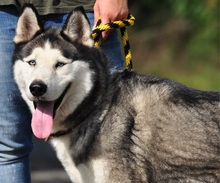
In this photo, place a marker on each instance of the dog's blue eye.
(60, 64)
(32, 62)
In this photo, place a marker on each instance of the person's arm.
(110, 10)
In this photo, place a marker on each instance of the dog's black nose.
(38, 88)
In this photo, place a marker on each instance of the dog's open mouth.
(42, 117)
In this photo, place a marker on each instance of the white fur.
(95, 172)
(55, 78)
(80, 87)
(62, 149)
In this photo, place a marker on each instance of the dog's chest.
(94, 172)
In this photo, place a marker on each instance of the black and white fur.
(119, 128)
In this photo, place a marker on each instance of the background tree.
(178, 39)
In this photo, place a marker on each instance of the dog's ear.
(77, 28)
(28, 24)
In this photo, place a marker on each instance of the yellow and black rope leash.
(99, 28)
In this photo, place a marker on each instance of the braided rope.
(99, 28)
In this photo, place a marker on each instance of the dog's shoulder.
(159, 89)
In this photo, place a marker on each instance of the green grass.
(203, 76)
(182, 44)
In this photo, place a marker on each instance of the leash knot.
(121, 24)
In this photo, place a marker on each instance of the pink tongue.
(42, 119)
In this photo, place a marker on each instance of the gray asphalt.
(45, 167)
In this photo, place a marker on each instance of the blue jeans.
(15, 130)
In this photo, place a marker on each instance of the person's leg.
(111, 46)
(15, 130)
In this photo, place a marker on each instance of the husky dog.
(120, 128)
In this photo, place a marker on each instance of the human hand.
(109, 11)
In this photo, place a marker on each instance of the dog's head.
(47, 63)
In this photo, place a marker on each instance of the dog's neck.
(60, 133)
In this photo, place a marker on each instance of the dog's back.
(151, 129)
(163, 131)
